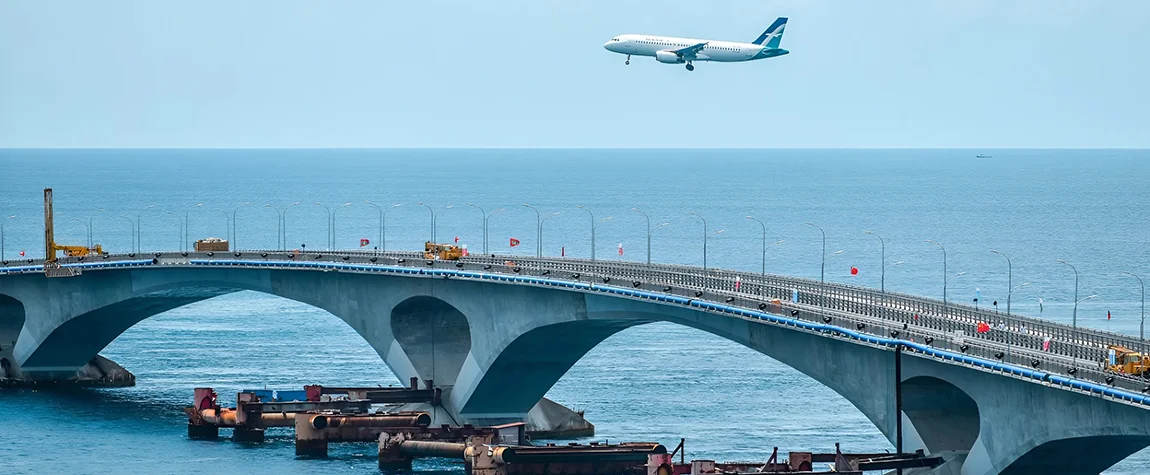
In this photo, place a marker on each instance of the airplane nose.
(607, 46)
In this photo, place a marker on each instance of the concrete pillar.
(249, 435)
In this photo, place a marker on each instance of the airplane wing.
(690, 51)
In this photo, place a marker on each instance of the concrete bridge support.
(496, 349)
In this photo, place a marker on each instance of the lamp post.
(1009, 277)
(140, 227)
(432, 212)
(91, 239)
(334, 213)
(483, 216)
(1074, 315)
(538, 230)
(943, 271)
(764, 226)
(648, 218)
(133, 229)
(235, 224)
(188, 225)
(2, 236)
(595, 226)
(692, 213)
(486, 219)
(1142, 324)
(380, 210)
(283, 224)
(552, 215)
(279, 223)
(882, 243)
(436, 213)
(383, 227)
(592, 215)
(328, 222)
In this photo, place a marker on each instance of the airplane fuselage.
(721, 51)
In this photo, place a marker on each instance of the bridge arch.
(945, 417)
(1077, 456)
(12, 317)
(434, 335)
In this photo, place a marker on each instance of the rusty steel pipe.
(222, 418)
(228, 418)
(323, 421)
(425, 448)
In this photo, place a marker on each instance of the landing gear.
(628, 61)
(690, 67)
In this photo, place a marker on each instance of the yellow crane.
(50, 246)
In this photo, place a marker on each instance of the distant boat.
(981, 156)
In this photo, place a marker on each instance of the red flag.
(854, 270)
(364, 242)
(465, 254)
(620, 249)
(1107, 315)
(456, 239)
(982, 327)
(514, 242)
(21, 253)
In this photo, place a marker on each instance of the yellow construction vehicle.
(1128, 361)
(441, 251)
(50, 246)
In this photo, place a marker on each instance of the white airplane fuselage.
(721, 51)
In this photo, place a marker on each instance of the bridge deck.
(875, 317)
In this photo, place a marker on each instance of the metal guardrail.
(904, 318)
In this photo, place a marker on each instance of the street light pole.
(1009, 280)
(1074, 317)
(483, 215)
(380, 210)
(235, 224)
(328, 223)
(333, 216)
(882, 242)
(283, 221)
(383, 228)
(592, 215)
(764, 226)
(432, 212)
(692, 213)
(538, 230)
(486, 235)
(279, 223)
(140, 227)
(133, 228)
(552, 215)
(595, 226)
(2, 236)
(648, 218)
(1142, 325)
(943, 271)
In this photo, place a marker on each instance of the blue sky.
(533, 73)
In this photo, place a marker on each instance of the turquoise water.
(657, 382)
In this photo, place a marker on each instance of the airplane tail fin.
(774, 34)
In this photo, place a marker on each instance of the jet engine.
(668, 57)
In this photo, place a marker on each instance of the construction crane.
(50, 246)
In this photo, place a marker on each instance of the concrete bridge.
(496, 333)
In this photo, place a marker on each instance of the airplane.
(670, 50)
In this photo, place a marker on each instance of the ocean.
(658, 382)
